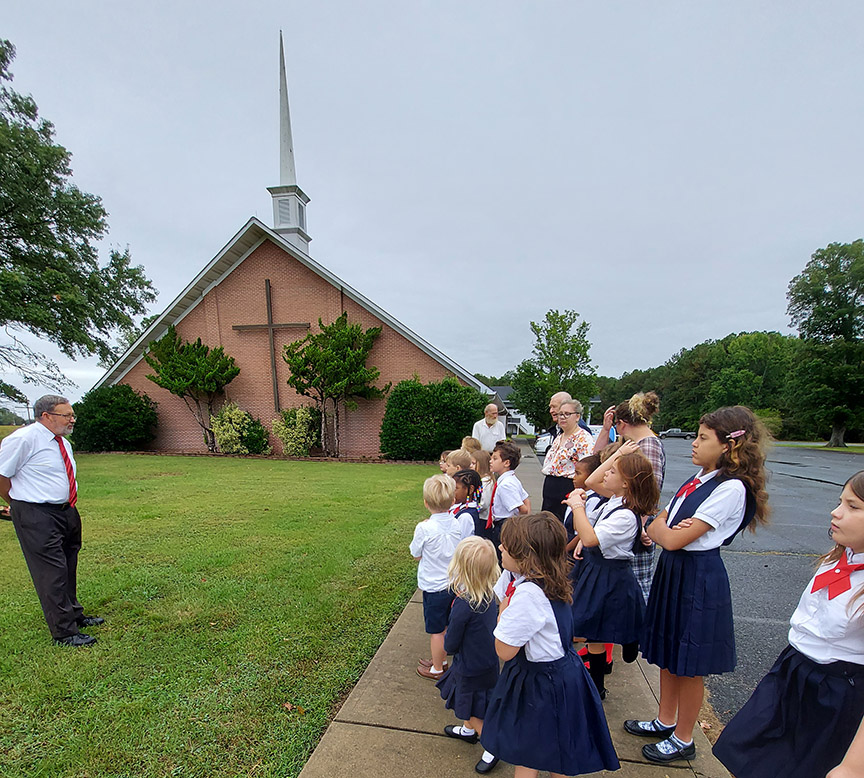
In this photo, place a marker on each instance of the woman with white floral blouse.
(559, 465)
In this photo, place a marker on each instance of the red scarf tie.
(836, 579)
(689, 487)
(70, 472)
(511, 587)
(491, 503)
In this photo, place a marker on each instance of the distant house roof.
(250, 236)
(502, 391)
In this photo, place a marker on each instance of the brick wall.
(298, 295)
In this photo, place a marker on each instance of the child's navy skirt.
(607, 601)
(548, 716)
(688, 622)
(798, 722)
(467, 696)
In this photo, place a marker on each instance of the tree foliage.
(422, 420)
(826, 300)
(194, 372)
(826, 304)
(561, 362)
(330, 367)
(114, 418)
(51, 282)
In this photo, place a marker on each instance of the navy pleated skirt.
(467, 696)
(688, 622)
(798, 722)
(607, 601)
(548, 716)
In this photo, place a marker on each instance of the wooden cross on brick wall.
(271, 328)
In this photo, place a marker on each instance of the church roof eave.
(247, 239)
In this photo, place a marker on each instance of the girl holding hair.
(607, 602)
(688, 622)
(632, 421)
(801, 720)
(480, 463)
(466, 687)
(545, 713)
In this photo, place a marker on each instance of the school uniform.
(507, 495)
(688, 621)
(803, 715)
(485, 498)
(607, 601)
(434, 542)
(545, 712)
(593, 502)
(467, 685)
(468, 516)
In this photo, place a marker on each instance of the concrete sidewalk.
(392, 723)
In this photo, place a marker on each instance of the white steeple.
(289, 200)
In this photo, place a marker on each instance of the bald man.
(489, 430)
(554, 405)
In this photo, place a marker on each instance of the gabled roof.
(250, 236)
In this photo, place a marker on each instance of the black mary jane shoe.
(486, 767)
(450, 731)
(653, 753)
(632, 726)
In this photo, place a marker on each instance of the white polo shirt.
(31, 459)
(488, 436)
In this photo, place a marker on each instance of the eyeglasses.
(566, 414)
(69, 416)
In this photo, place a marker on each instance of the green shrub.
(238, 433)
(114, 418)
(421, 420)
(299, 429)
(772, 420)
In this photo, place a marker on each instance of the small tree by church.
(194, 372)
(330, 367)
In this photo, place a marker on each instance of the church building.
(261, 291)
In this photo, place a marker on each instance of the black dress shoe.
(486, 767)
(90, 621)
(667, 751)
(77, 640)
(450, 731)
(634, 728)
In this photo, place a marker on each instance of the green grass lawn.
(850, 448)
(243, 600)
(7, 429)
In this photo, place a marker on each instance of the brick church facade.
(264, 283)
(230, 293)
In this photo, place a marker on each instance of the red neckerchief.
(837, 578)
(489, 519)
(689, 487)
(511, 587)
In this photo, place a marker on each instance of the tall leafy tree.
(330, 367)
(826, 304)
(51, 282)
(195, 373)
(560, 362)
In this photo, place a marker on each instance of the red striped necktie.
(489, 518)
(689, 487)
(70, 472)
(837, 578)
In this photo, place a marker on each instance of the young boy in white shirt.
(509, 497)
(435, 541)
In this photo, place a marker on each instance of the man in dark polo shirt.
(37, 479)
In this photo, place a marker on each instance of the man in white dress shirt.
(37, 479)
(489, 430)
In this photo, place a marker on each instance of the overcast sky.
(662, 168)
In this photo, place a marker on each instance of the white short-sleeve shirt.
(509, 495)
(488, 436)
(503, 582)
(435, 541)
(30, 457)
(615, 527)
(830, 630)
(529, 621)
(723, 509)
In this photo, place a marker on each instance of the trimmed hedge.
(238, 433)
(422, 420)
(114, 418)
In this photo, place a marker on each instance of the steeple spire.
(287, 173)
(289, 200)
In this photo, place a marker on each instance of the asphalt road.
(769, 570)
